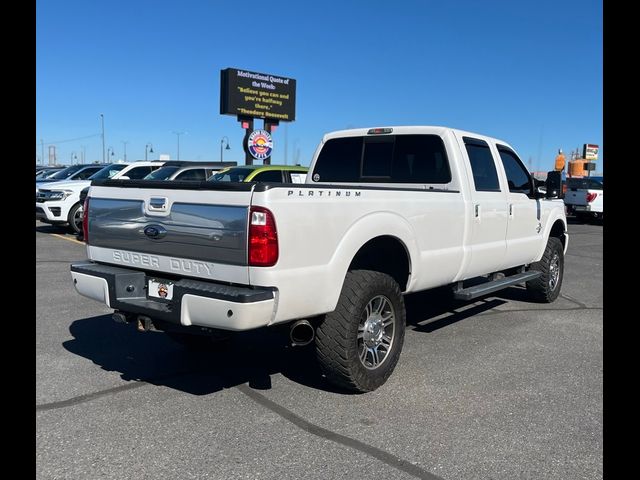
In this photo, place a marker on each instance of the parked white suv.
(58, 203)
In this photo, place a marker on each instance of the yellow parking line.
(67, 238)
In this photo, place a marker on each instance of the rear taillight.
(85, 220)
(263, 238)
(591, 197)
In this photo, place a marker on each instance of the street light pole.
(103, 150)
(125, 149)
(178, 135)
(148, 148)
(221, 143)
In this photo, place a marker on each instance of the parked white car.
(58, 203)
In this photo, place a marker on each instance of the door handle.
(511, 209)
(476, 210)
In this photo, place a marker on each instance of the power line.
(70, 140)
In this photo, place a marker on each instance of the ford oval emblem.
(155, 231)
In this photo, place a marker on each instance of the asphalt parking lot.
(499, 388)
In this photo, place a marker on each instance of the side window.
(268, 176)
(297, 177)
(517, 176)
(86, 173)
(195, 174)
(137, 173)
(485, 176)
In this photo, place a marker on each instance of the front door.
(524, 225)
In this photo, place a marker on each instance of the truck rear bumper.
(194, 302)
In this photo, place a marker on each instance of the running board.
(476, 291)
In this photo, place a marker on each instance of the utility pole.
(178, 135)
(125, 149)
(103, 150)
(286, 142)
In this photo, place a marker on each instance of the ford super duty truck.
(383, 212)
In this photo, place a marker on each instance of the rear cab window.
(392, 159)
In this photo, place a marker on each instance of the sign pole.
(247, 124)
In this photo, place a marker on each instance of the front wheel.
(546, 287)
(358, 344)
(75, 218)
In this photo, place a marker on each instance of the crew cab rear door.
(487, 239)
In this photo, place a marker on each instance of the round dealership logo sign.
(260, 144)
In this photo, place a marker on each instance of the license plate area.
(159, 289)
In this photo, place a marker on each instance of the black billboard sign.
(257, 95)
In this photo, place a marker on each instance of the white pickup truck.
(584, 198)
(385, 211)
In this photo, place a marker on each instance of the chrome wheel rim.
(554, 271)
(376, 332)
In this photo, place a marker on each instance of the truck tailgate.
(186, 229)
(576, 197)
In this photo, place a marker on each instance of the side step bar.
(476, 291)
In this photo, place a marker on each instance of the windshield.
(66, 172)
(107, 172)
(163, 173)
(584, 183)
(45, 174)
(231, 175)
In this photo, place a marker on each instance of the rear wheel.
(546, 287)
(358, 344)
(75, 218)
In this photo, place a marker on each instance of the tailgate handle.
(159, 204)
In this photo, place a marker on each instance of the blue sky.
(528, 72)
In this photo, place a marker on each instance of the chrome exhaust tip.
(301, 333)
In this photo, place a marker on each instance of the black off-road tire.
(546, 288)
(73, 226)
(337, 344)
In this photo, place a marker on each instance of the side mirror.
(124, 177)
(553, 185)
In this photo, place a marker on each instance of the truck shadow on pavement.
(434, 309)
(44, 228)
(249, 357)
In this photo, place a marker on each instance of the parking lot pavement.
(500, 388)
